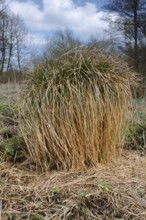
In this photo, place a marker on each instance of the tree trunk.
(135, 20)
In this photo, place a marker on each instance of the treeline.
(12, 33)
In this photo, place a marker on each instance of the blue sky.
(43, 17)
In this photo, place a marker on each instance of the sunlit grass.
(73, 115)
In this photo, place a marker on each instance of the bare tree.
(18, 31)
(130, 19)
(12, 36)
(60, 43)
(3, 40)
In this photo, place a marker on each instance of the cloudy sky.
(42, 17)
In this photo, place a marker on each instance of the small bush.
(9, 137)
(136, 138)
(73, 113)
(136, 135)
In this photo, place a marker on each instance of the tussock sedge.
(72, 115)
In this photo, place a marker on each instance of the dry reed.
(72, 115)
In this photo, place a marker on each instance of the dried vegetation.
(72, 116)
(114, 192)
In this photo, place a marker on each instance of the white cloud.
(59, 14)
(35, 39)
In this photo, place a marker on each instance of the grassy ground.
(115, 191)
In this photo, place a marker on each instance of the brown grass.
(114, 192)
(73, 114)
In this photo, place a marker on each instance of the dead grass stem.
(73, 114)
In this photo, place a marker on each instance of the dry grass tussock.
(72, 115)
(116, 192)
